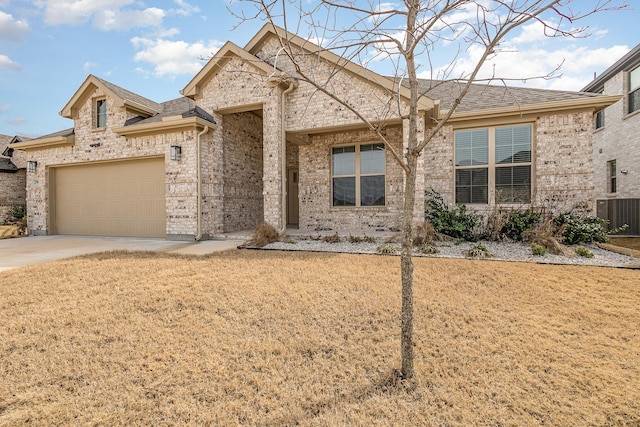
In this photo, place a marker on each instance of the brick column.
(272, 167)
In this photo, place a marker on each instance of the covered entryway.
(123, 198)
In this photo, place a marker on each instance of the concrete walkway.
(23, 251)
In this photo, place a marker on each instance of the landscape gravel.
(502, 251)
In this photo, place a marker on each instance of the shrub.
(584, 252)
(538, 250)
(518, 222)
(358, 239)
(478, 251)
(18, 212)
(334, 238)
(425, 233)
(387, 249)
(263, 235)
(587, 229)
(545, 234)
(428, 249)
(456, 223)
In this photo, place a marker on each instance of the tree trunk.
(406, 263)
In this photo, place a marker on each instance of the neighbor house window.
(493, 160)
(600, 119)
(634, 90)
(358, 175)
(101, 113)
(612, 173)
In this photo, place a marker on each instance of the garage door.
(110, 199)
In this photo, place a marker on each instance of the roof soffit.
(268, 31)
(217, 62)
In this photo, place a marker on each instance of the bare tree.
(406, 34)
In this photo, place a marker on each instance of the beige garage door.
(110, 199)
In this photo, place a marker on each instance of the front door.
(292, 196)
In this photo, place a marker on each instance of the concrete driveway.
(23, 251)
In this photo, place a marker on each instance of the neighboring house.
(249, 142)
(616, 144)
(12, 176)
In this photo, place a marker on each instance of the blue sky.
(48, 47)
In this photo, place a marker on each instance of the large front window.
(493, 165)
(358, 175)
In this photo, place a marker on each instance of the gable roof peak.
(123, 97)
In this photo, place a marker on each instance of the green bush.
(18, 212)
(478, 251)
(584, 252)
(518, 222)
(429, 249)
(586, 229)
(538, 250)
(387, 249)
(456, 223)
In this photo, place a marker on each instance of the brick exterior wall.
(13, 192)
(562, 163)
(316, 210)
(618, 140)
(243, 201)
(241, 85)
(307, 108)
(181, 177)
(241, 167)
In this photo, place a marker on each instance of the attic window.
(101, 113)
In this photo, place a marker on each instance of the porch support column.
(272, 155)
(419, 206)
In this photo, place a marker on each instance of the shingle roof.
(6, 165)
(183, 106)
(126, 94)
(486, 97)
(65, 132)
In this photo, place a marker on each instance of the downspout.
(283, 156)
(199, 172)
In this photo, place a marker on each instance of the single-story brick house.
(248, 142)
(12, 176)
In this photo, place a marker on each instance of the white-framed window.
(612, 173)
(493, 165)
(634, 90)
(358, 175)
(101, 113)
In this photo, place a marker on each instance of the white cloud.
(12, 29)
(185, 9)
(7, 63)
(104, 14)
(577, 65)
(127, 19)
(87, 66)
(171, 58)
(4, 107)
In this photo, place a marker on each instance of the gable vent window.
(101, 113)
(634, 90)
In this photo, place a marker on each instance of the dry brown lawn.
(271, 338)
